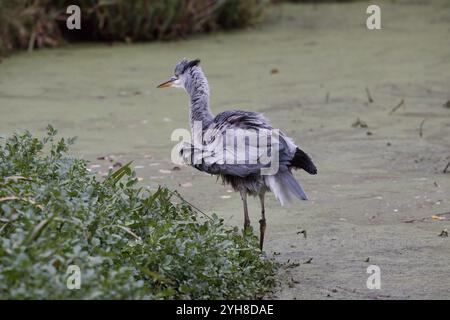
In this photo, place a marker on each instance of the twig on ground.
(446, 167)
(308, 261)
(447, 104)
(444, 233)
(359, 124)
(397, 106)
(421, 128)
(369, 96)
(302, 232)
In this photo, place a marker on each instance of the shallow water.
(368, 185)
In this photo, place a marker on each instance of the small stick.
(369, 96)
(304, 233)
(308, 261)
(175, 193)
(31, 41)
(29, 200)
(397, 106)
(421, 128)
(446, 167)
(444, 233)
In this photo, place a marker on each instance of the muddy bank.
(377, 187)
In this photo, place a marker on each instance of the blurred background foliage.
(29, 24)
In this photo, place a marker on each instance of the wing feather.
(238, 143)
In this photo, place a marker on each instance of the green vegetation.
(128, 242)
(26, 24)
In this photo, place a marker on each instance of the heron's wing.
(241, 119)
(239, 143)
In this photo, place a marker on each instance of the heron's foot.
(262, 230)
(247, 229)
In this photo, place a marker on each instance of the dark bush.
(39, 23)
(27, 24)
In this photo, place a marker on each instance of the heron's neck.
(198, 90)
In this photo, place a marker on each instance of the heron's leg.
(262, 222)
(244, 202)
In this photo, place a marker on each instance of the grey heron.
(244, 177)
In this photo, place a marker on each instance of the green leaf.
(120, 173)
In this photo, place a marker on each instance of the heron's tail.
(285, 187)
(301, 160)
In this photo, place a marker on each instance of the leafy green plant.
(128, 241)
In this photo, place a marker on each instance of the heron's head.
(181, 73)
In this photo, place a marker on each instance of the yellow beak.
(166, 84)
